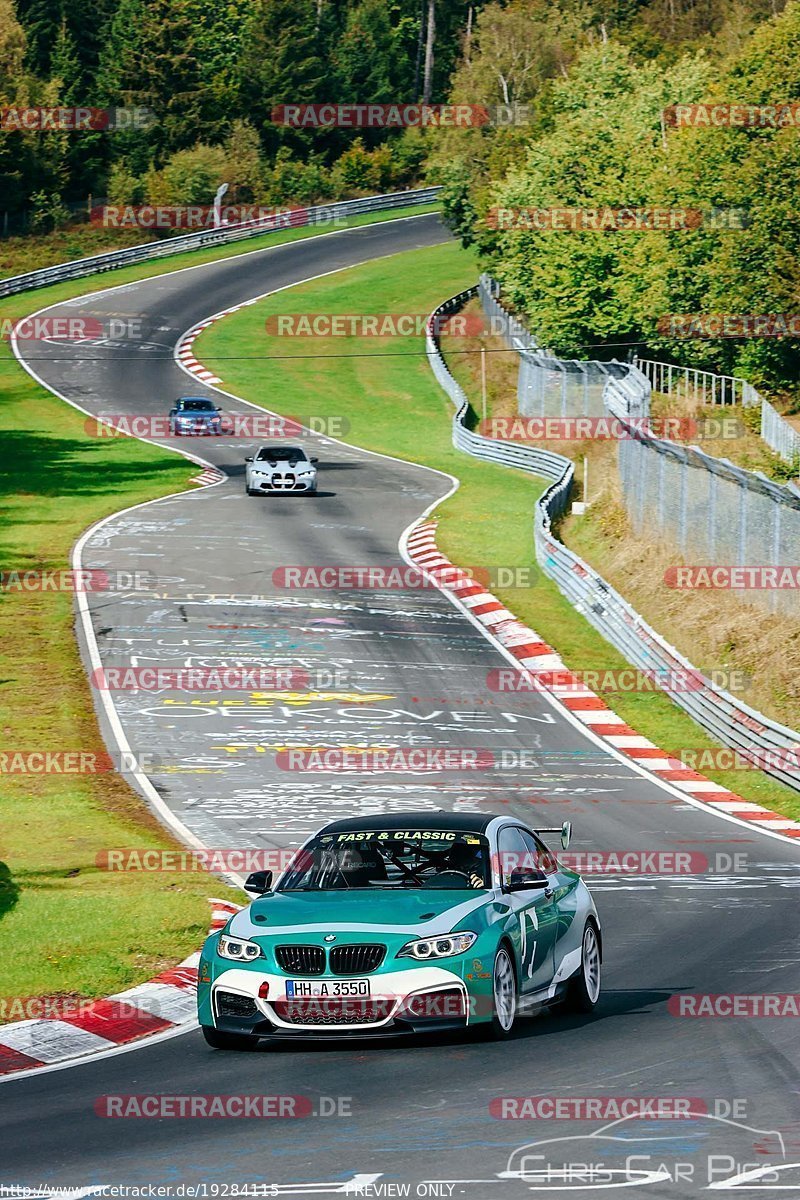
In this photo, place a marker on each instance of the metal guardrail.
(319, 214)
(540, 462)
(709, 388)
(779, 435)
(732, 722)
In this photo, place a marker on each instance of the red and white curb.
(163, 1003)
(184, 353)
(535, 656)
(187, 359)
(208, 476)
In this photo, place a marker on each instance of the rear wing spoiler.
(564, 830)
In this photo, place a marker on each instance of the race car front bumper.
(283, 483)
(417, 1000)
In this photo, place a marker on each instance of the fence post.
(776, 549)
(685, 468)
(662, 471)
(712, 515)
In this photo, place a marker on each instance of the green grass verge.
(394, 405)
(85, 932)
(66, 926)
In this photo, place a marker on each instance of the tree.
(364, 57)
(281, 64)
(12, 49)
(430, 38)
(151, 60)
(244, 170)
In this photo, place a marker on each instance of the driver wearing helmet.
(467, 860)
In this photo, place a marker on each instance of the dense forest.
(594, 77)
(603, 137)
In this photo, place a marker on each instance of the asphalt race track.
(411, 672)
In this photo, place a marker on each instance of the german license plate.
(325, 989)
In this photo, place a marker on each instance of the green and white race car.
(403, 924)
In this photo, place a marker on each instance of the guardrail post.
(684, 496)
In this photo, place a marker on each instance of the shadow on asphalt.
(612, 1004)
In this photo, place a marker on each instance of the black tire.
(502, 1023)
(249, 491)
(583, 990)
(228, 1041)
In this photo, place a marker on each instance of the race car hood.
(262, 464)
(426, 911)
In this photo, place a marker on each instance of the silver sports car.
(280, 469)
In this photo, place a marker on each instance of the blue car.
(194, 414)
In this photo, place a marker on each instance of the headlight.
(438, 947)
(237, 949)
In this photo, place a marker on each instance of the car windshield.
(292, 454)
(197, 405)
(390, 858)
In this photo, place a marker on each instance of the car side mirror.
(249, 458)
(315, 460)
(566, 835)
(259, 883)
(520, 881)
